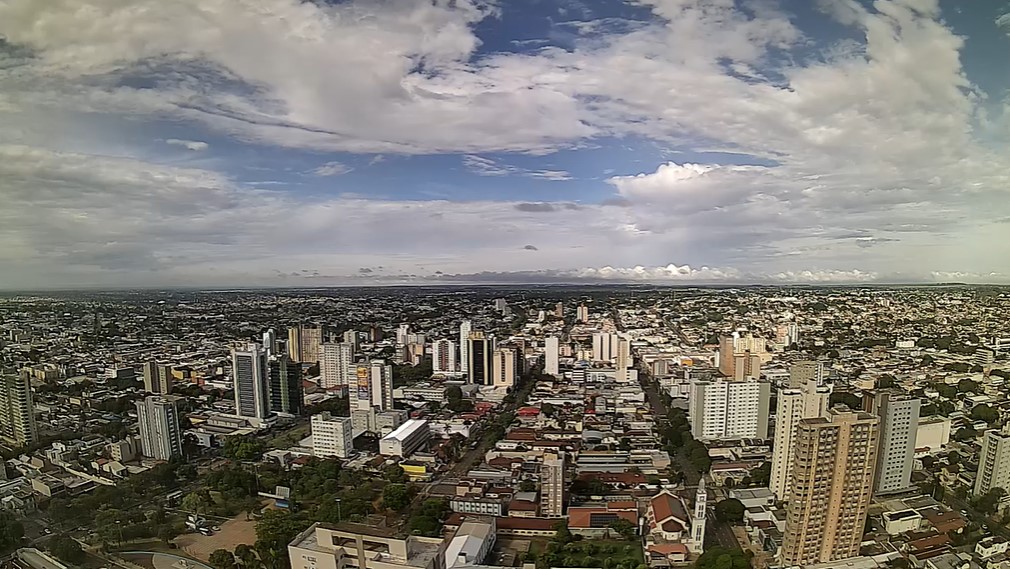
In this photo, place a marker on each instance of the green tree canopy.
(729, 510)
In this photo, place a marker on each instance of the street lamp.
(339, 517)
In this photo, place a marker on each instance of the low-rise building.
(407, 438)
(363, 547)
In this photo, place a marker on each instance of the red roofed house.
(668, 518)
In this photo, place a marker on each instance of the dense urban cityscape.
(543, 427)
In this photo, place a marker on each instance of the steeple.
(698, 519)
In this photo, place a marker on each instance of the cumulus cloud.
(856, 139)
(332, 169)
(194, 145)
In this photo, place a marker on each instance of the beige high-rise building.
(805, 398)
(832, 484)
(552, 485)
(994, 461)
(582, 313)
(504, 369)
(304, 343)
(741, 356)
(157, 378)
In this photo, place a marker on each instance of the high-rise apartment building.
(831, 487)
(802, 372)
(250, 373)
(160, 436)
(331, 436)
(899, 422)
(479, 354)
(729, 409)
(741, 356)
(157, 378)
(270, 342)
(401, 334)
(374, 386)
(605, 346)
(582, 313)
(504, 367)
(552, 485)
(285, 387)
(304, 342)
(559, 310)
(17, 411)
(336, 365)
(805, 398)
(552, 351)
(994, 461)
(464, 345)
(622, 357)
(351, 337)
(443, 356)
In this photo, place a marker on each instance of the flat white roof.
(405, 430)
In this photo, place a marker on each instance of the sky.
(227, 143)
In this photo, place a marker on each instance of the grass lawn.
(290, 437)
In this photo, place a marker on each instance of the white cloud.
(859, 139)
(194, 145)
(332, 169)
(488, 167)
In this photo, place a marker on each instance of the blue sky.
(276, 142)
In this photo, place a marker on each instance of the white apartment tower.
(899, 423)
(582, 313)
(336, 365)
(160, 436)
(17, 412)
(552, 485)
(729, 409)
(374, 386)
(804, 398)
(623, 355)
(994, 461)
(465, 327)
(443, 356)
(250, 375)
(552, 350)
(604, 346)
(331, 436)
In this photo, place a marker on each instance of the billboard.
(364, 391)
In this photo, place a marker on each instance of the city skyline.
(222, 144)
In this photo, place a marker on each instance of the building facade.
(17, 410)
(552, 485)
(285, 387)
(807, 400)
(331, 436)
(336, 363)
(157, 378)
(465, 327)
(729, 409)
(443, 356)
(249, 379)
(552, 351)
(374, 386)
(160, 436)
(504, 367)
(478, 353)
(831, 487)
(899, 422)
(304, 342)
(993, 461)
(406, 439)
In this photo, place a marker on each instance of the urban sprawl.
(536, 427)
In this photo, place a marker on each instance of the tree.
(66, 548)
(195, 502)
(850, 400)
(275, 530)
(11, 530)
(222, 559)
(723, 558)
(761, 476)
(987, 503)
(246, 555)
(527, 485)
(623, 527)
(967, 385)
(965, 434)
(985, 413)
(562, 534)
(729, 510)
(243, 448)
(395, 474)
(396, 496)
(453, 393)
